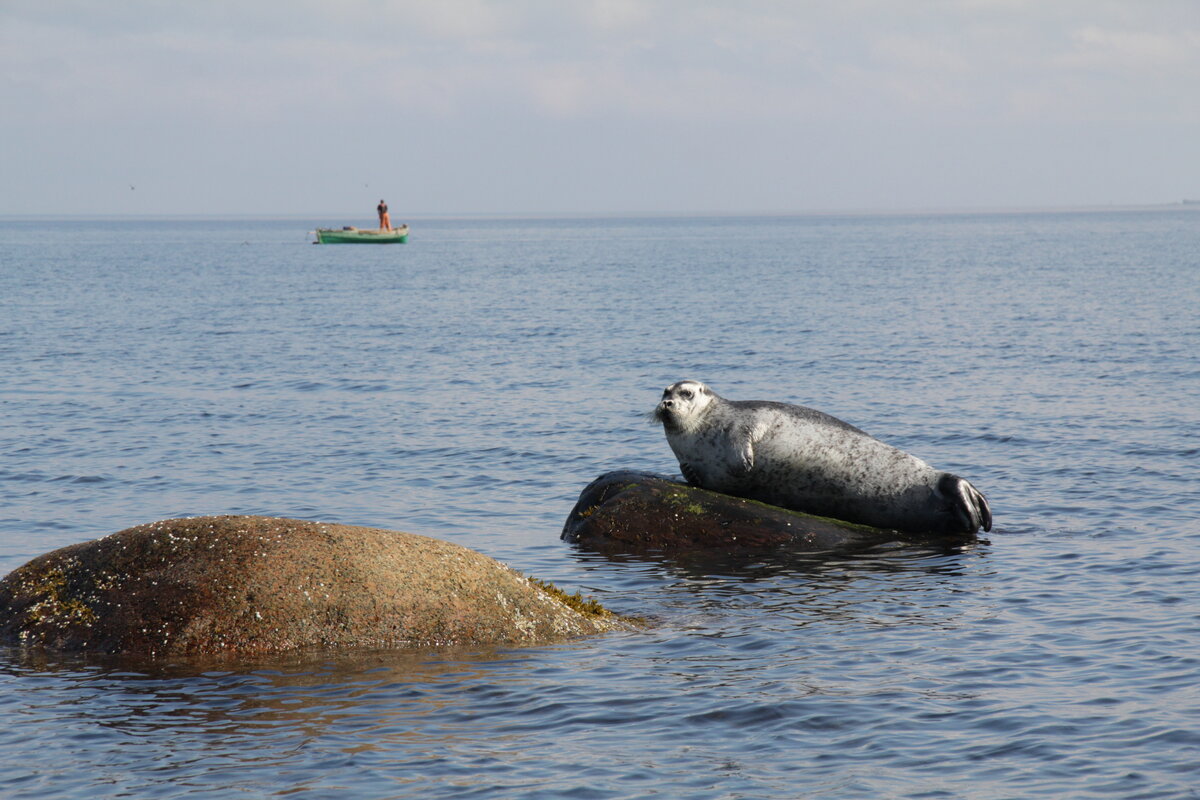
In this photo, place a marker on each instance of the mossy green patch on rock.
(680, 500)
(51, 600)
(584, 605)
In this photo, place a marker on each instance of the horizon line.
(626, 214)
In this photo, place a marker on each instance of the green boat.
(351, 235)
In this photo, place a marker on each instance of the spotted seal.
(806, 460)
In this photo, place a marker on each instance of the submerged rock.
(251, 585)
(642, 512)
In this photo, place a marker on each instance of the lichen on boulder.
(254, 585)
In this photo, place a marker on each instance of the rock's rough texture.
(252, 585)
(641, 512)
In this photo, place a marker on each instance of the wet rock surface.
(252, 585)
(628, 511)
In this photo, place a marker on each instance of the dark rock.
(629, 511)
(252, 585)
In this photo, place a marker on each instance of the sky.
(444, 107)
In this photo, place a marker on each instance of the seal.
(806, 460)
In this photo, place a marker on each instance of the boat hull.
(361, 236)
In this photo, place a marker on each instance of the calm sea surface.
(468, 385)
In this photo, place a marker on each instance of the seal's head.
(682, 405)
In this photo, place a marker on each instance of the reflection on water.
(310, 690)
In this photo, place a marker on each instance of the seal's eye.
(686, 394)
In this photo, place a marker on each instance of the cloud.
(911, 53)
(616, 15)
(1126, 51)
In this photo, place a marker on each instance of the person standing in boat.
(385, 221)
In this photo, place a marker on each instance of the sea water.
(467, 386)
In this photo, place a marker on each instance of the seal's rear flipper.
(970, 505)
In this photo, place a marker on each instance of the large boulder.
(629, 511)
(252, 585)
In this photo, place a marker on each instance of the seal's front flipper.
(746, 452)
